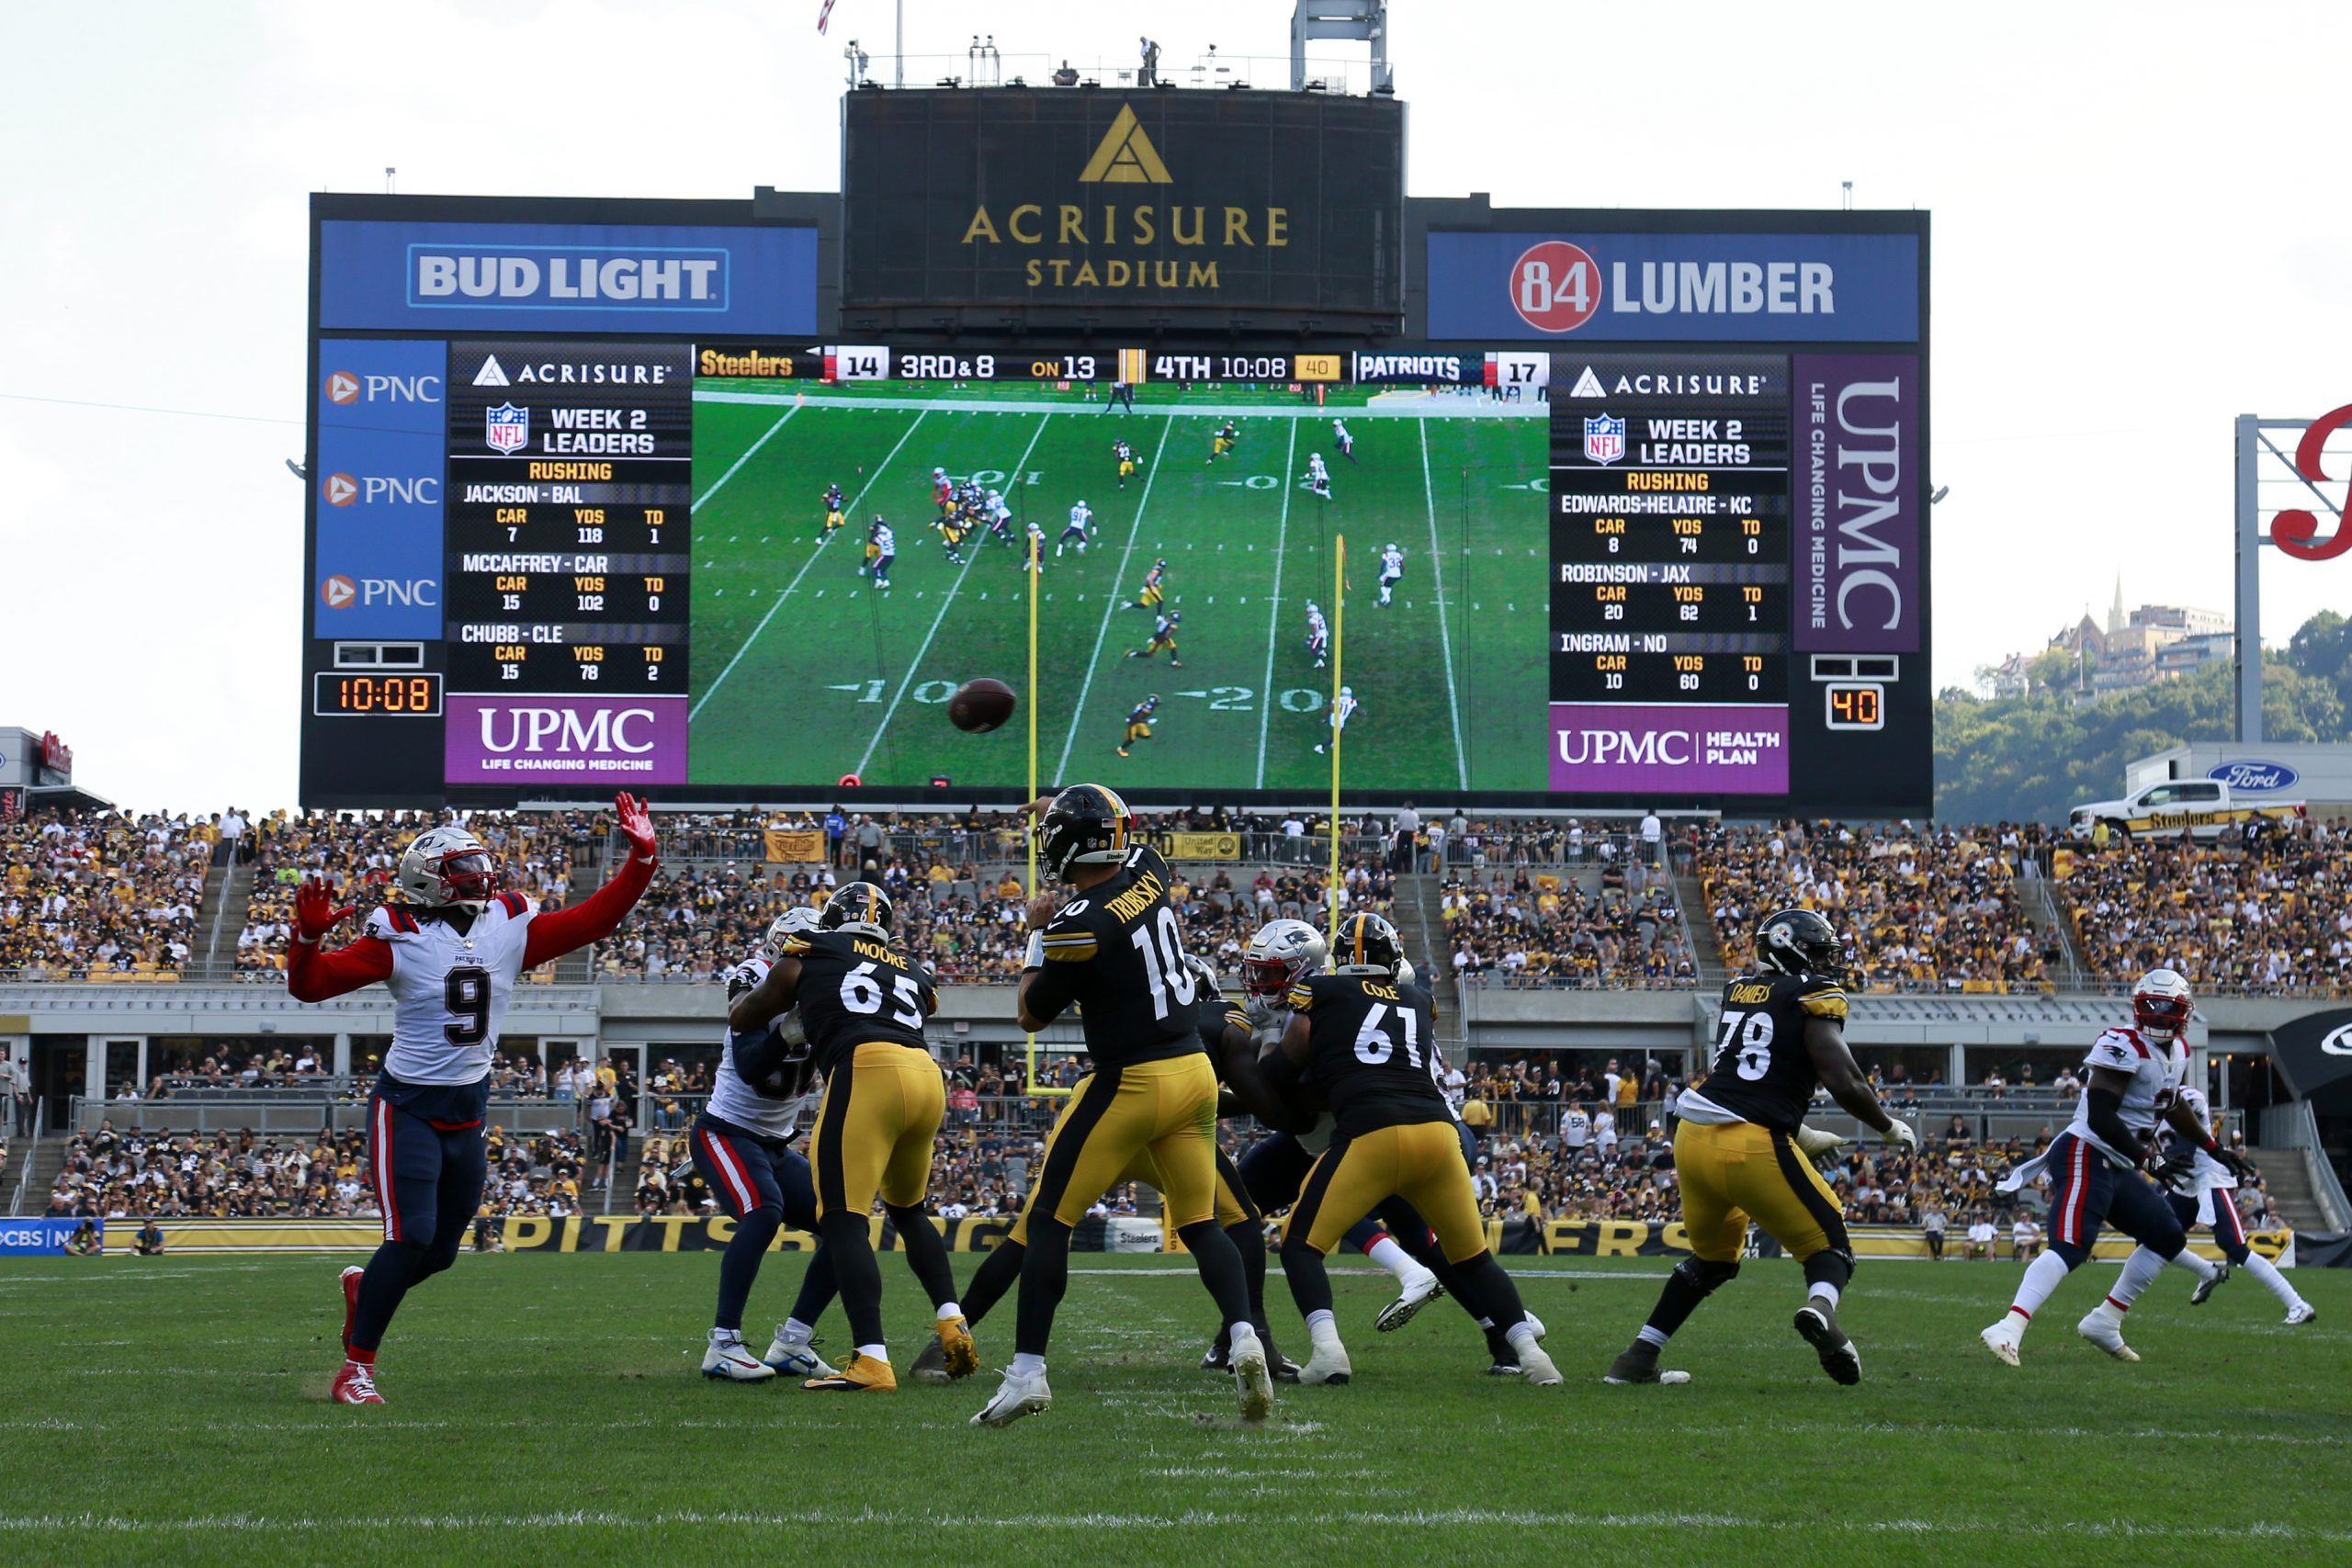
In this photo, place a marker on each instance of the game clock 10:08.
(395, 695)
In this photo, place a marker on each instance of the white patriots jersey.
(2208, 1173)
(886, 541)
(735, 1101)
(1339, 432)
(450, 990)
(1315, 464)
(1268, 1021)
(1317, 628)
(1343, 709)
(999, 509)
(1392, 563)
(1080, 516)
(2155, 1073)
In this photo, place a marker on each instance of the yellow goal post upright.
(1029, 701)
(1339, 730)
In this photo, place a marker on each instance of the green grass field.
(802, 672)
(546, 1409)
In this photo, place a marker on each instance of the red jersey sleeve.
(554, 933)
(313, 976)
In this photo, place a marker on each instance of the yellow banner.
(1316, 367)
(794, 846)
(250, 1236)
(1204, 846)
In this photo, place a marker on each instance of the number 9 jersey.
(450, 987)
(1761, 1072)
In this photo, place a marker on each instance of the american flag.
(824, 13)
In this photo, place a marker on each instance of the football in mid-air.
(981, 706)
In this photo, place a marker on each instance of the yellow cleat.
(955, 1340)
(865, 1374)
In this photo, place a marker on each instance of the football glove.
(1903, 1132)
(1816, 1144)
(2176, 1167)
(2237, 1165)
(636, 824)
(315, 913)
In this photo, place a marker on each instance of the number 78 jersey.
(1761, 1071)
(450, 987)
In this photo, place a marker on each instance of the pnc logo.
(1125, 156)
(337, 592)
(342, 386)
(342, 489)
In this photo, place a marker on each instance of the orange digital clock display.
(410, 695)
(1857, 706)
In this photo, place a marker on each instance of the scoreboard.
(1739, 614)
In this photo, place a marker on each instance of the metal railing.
(25, 1170)
(2294, 1125)
(286, 1111)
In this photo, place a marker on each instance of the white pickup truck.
(2201, 807)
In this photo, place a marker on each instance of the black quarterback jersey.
(1761, 1071)
(854, 989)
(1116, 952)
(1370, 1048)
(1214, 1013)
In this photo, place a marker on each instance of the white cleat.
(796, 1359)
(2301, 1311)
(1328, 1365)
(1537, 1367)
(1016, 1396)
(1421, 1288)
(2105, 1329)
(2002, 1339)
(1254, 1382)
(731, 1361)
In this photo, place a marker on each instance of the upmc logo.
(1556, 287)
(489, 739)
(340, 593)
(566, 732)
(381, 490)
(348, 387)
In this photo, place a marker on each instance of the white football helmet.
(1283, 952)
(798, 921)
(447, 865)
(2160, 1004)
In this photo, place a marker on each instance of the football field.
(547, 1408)
(803, 672)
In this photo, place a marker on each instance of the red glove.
(314, 911)
(636, 826)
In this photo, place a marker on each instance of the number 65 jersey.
(855, 990)
(450, 987)
(1761, 1071)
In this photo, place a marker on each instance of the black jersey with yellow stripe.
(1761, 1071)
(1117, 951)
(1371, 1044)
(854, 989)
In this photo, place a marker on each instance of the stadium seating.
(101, 896)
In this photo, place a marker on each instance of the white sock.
(1390, 1253)
(1825, 1291)
(948, 1310)
(1523, 1334)
(1652, 1335)
(1026, 1365)
(1241, 1335)
(2187, 1260)
(2262, 1269)
(727, 1337)
(2043, 1275)
(2140, 1271)
(1318, 1321)
(879, 1352)
(797, 1332)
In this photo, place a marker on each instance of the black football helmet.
(1798, 942)
(1367, 946)
(1086, 825)
(858, 907)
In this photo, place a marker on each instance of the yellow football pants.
(1737, 1171)
(875, 1129)
(1419, 1162)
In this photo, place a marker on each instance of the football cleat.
(1421, 1287)
(865, 1374)
(1817, 1323)
(1637, 1363)
(796, 1357)
(2301, 1311)
(2105, 1329)
(963, 1357)
(2205, 1288)
(1252, 1384)
(1016, 1396)
(931, 1364)
(1328, 1365)
(351, 1278)
(730, 1361)
(356, 1385)
(2003, 1336)
(1537, 1367)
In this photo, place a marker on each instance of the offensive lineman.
(1115, 949)
(2134, 1083)
(1737, 1148)
(864, 1007)
(1369, 1036)
(741, 1148)
(450, 956)
(2200, 1188)
(1392, 567)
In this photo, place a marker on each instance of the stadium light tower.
(1366, 20)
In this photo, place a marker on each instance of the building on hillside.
(2154, 642)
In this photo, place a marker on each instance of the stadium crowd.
(102, 896)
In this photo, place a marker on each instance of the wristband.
(1034, 957)
(306, 940)
(2211, 1145)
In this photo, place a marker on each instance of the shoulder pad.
(795, 944)
(1822, 998)
(378, 923)
(515, 905)
(2117, 1049)
(1300, 997)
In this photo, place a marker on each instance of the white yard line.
(1273, 614)
(749, 452)
(946, 600)
(1111, 605)
(696, 712)
(1444, 641)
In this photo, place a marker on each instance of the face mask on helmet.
(2160, 1018)
(468, 875)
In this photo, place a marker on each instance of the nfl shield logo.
(508, 429)
(1604, 438)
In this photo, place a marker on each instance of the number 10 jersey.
(1761, 1071)
(450, 987)
(1117, 951)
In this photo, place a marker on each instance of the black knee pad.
(1705, 1277)
(759, 1227)
(1830, 1265)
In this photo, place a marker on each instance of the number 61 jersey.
(1761, 1071)
(450, 987)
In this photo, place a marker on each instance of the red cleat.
(351, 1278)
(356, 1385)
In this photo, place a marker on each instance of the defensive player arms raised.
(313, 975)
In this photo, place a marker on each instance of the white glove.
(1405, 971)
(1901, 1132)
(1815, 1143)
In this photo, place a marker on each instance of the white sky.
(2140, 231)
